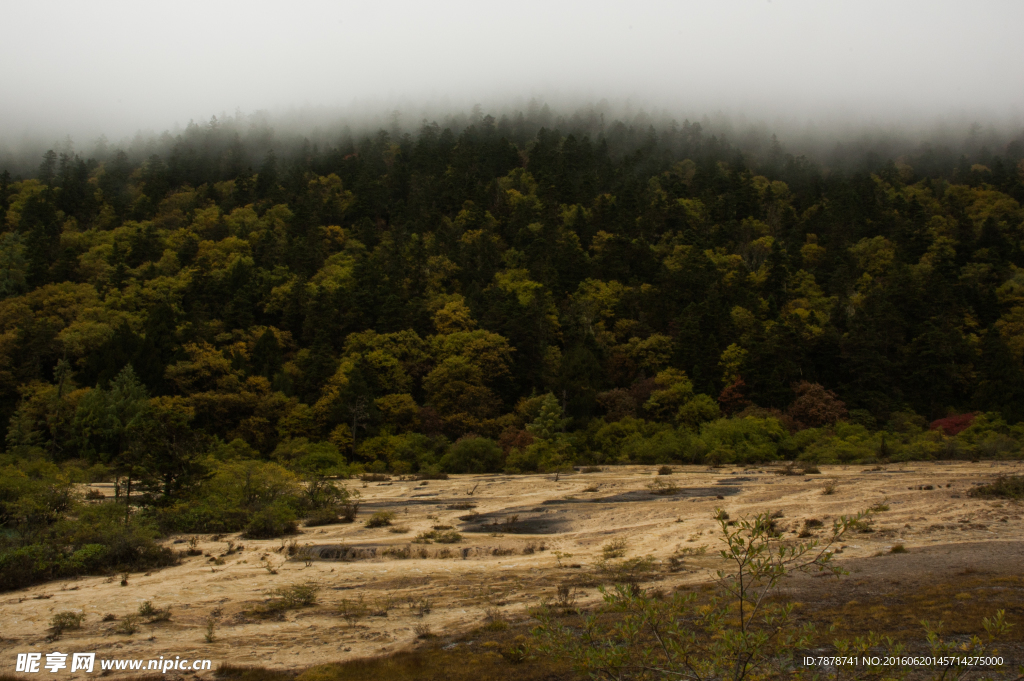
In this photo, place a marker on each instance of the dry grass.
(242, 673)
(894, 609)
(495, 655)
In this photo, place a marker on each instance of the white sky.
(116, 67)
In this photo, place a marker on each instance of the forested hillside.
(431, 284)
(504, 298)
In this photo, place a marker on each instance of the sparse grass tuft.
(353, 610)
(495, 619)
(286, 598)
(898, 548)
(662, 488)
(830, 486)
(616, 548)
(154, 614)
(129, 625)
(211, 629)
(861, 526)
(566, 596)
(193, 546)
(421, 606)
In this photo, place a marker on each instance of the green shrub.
(473, 455)
(233, 496)
(743, 440)
(661, 447)
(275, 520)
(66, 621)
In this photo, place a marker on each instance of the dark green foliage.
(273, 521)
(37, 548)
(473, 455)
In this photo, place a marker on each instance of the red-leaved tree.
(953, 424)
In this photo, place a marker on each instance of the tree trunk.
(128, 499)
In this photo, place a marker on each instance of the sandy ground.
(565, 522)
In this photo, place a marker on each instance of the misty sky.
(117, 67)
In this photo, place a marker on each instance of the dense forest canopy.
(436, 283)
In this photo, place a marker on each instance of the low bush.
(297, 595)
(380, 519)
(275, 520)
(66, 621)
(128, 625)
(97, 541)
(1005, 486)
(439, 537)
(323, 516)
